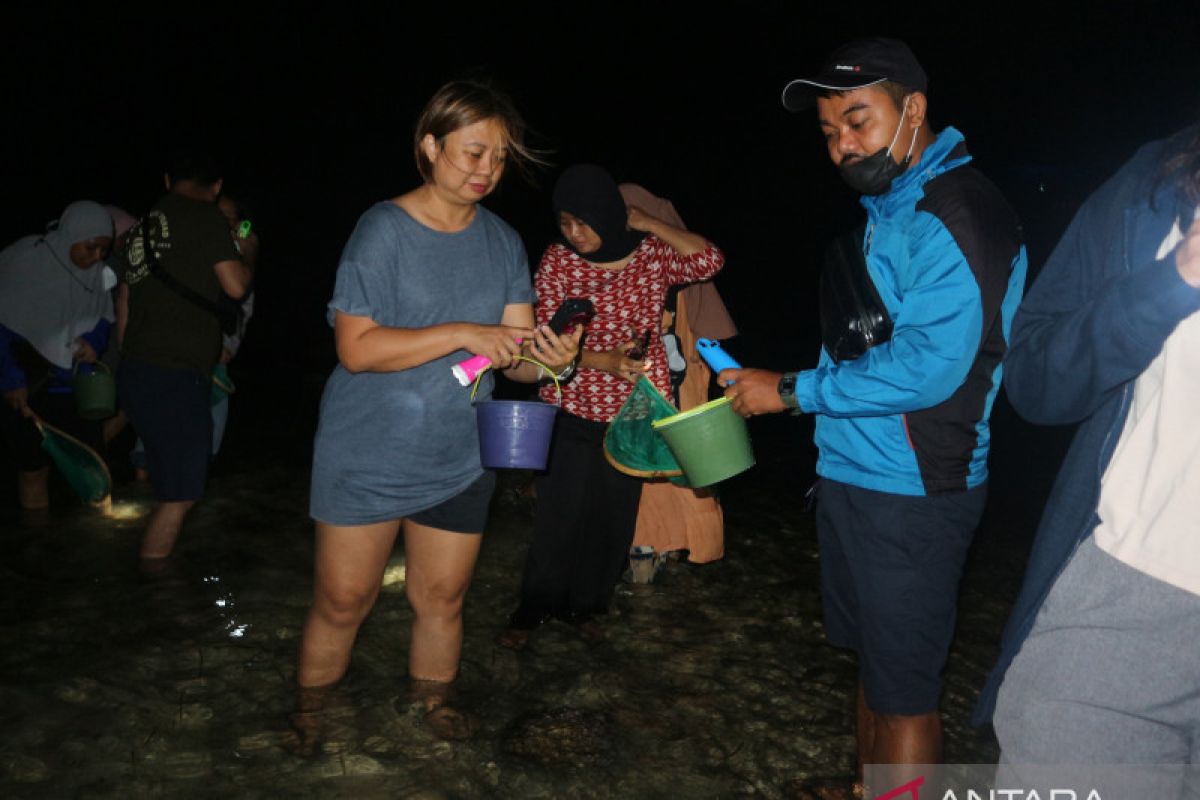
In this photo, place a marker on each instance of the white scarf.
(44, 297)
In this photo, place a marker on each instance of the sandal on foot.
(307, 722)
(305, 732)
(444, 720)
(447, 722)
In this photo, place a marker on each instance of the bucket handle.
(550, 372)
(95, 364)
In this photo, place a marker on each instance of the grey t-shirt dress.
(391, 444)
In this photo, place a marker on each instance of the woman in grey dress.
(426, 280)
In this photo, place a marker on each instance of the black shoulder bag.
(853, 316)
(227, 310)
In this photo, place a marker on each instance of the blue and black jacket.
(910, 416)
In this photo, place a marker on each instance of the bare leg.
(348, 571)
(903, 739)
(897, 738)
(32, 488)
(894, 739)
(439, 565)
(112, 427)
(438, 569)
(163, 528)
(866, 731)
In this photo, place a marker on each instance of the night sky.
(313, 113)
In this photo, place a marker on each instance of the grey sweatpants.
(1109, 675)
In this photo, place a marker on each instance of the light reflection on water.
(394, 574)
(127, 510)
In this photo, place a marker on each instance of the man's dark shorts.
(169, 409)
(466, 512)
(890, 569)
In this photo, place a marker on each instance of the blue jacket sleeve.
(936, 336)
(1098, 314)
(97, 337)
(11, 374)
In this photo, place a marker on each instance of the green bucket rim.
(691, 412)
(94, 364)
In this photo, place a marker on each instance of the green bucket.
(95, 392)
(710, 442)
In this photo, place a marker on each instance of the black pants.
(584, 524)
(169, 408)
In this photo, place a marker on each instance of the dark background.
(313, 110)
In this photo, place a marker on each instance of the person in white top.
(1101, 661)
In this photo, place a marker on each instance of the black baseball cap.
(860, 63)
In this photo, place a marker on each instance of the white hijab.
(44, 297)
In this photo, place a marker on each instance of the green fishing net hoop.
(83, 468)
(632, 446)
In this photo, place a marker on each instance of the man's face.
(859, 123)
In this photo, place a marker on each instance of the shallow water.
(713, 681)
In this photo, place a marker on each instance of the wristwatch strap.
(787, 390)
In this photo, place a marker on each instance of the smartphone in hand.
(573, 312)
(638, 352)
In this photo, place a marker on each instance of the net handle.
(550, 372)
(227, 388)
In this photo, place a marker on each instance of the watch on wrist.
(566, 373)
(787, 390)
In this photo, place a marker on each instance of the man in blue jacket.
(902, 428)
(1100, 657)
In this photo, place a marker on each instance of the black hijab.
(588, 192)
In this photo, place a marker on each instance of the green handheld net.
(632, 446)
(83, 468)
(222, 385)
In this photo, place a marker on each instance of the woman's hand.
(84, 352)
(639, 220)
(248, 249)
(555, 351)
(18, 398)
(683, 242)
(501, 344)
(617, 362)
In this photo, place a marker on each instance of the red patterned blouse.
(628, 301)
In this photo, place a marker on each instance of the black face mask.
(874, 174)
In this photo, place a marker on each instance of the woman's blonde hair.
(464, 102)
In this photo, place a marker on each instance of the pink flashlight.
(466, 371)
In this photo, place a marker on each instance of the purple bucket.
(514, 434)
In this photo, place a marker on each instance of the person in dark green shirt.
(170, 342)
